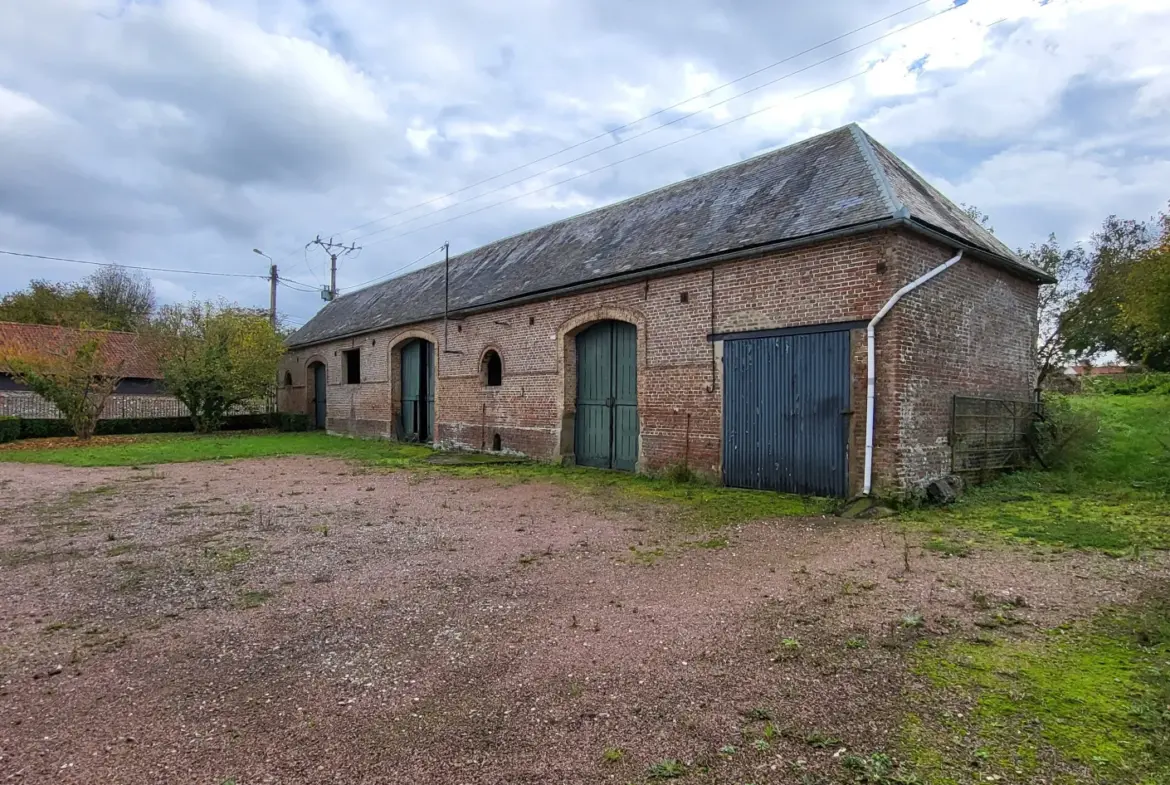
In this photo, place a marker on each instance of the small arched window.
(287, 379)
(492, 368)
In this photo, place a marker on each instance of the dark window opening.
(353, 366)
(287, 379)
(684, 297)
(531, 320)
(493, 368)
(496, 444)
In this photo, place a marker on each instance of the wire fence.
(30, 406)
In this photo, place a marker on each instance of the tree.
(1146, 307)
(124, 297)
(1119, 310)
(77, 379)
(112, 298)
(214, 357)
(978, 216)
(45, 302)
(1068, 267)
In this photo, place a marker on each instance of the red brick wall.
(842, 280)
(969, 331)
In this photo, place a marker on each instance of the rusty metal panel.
(786, 413)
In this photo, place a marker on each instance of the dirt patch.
(305, 620)
(62, 442)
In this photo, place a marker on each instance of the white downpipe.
(871, 369)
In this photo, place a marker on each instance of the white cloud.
(185, 132)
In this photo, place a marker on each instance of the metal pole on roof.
(446, 288)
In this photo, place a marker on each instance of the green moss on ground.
(1086, 703)
(1112, 491)
(705, 506)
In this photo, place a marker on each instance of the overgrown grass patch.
(1084, 703)
(181, 448)
(1113, 494)
(704, 506)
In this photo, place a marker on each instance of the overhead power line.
(667, 124)
(631, 123)
(632, 157)
(395, 270)
(130, 266)
(614, 163)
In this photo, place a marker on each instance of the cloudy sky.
(183, 133)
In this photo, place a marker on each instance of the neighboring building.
(139, 393)
(719, 321)
(1085, 369)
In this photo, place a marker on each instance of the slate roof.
(121, 352)
(839, 181)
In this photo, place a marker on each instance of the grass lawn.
(180, 448)
(1112, 492)
(705, 506)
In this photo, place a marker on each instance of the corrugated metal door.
(785, 407)
(606, 433)
(418, 397)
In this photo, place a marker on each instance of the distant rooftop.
(123, 353)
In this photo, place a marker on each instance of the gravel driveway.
(307, 621)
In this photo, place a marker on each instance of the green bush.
(40, 429)
(288, 421)
(1064, 433)
(1148, 383)
(9, 429)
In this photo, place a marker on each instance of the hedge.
(9, 429)
(36, 428)
(287, 421)
(1133, 383)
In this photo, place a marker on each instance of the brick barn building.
(720, 321)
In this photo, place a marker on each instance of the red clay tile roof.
(122, 350)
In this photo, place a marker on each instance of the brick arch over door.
(394, 358)
(567, 370)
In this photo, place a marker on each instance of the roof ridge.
(897, 209)
(67, 327)
(702, 175)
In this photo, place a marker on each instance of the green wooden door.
(318, 396)
(418, 391)
(606, 433)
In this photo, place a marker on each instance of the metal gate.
(606, 427)
(418, 391)
(989, 435)
(786, 412)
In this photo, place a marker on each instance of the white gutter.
(871, 369)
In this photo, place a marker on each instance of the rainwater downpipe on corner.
(871, 363)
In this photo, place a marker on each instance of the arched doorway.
(606, 423)
(418, 390)
(317, 396)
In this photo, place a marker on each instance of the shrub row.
(9, 429)
(12, 428)
(292, 422)
(1128, 384)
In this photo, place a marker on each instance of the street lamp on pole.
(272, 279)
